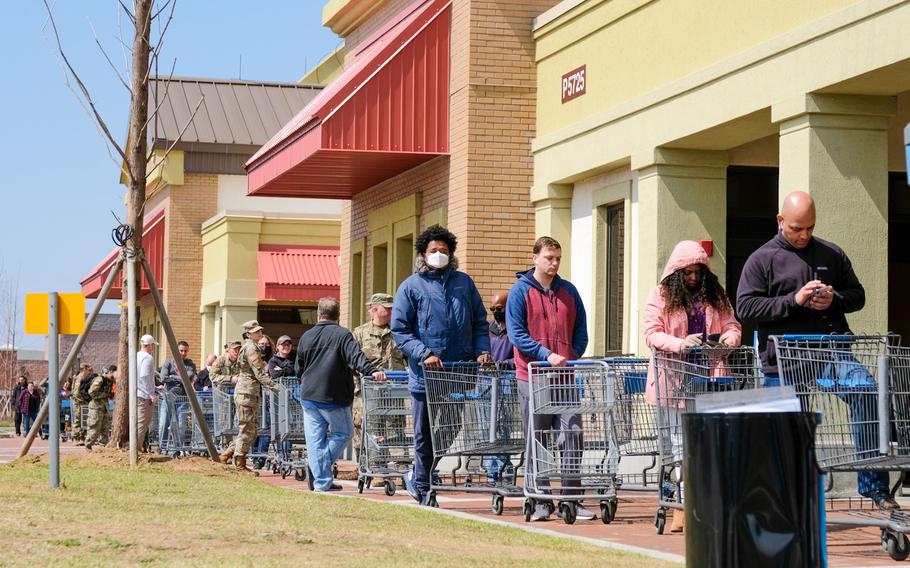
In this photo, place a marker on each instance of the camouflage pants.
(99, 424)
(76, 413)
(247, 422)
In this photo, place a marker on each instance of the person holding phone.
(688, 308)
(797, 283)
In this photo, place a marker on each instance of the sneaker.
(409, 486)
(883, 500)
(541, 513)
(583, 514)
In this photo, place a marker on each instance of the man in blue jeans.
(800, 284)
(327, 357)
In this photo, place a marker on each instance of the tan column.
(682, 195)
(553, 218)
(835, 147)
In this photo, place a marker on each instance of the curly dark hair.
(677, 297)
(436, 233)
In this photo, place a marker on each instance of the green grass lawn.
(193, 512)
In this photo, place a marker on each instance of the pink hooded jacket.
(667, 331)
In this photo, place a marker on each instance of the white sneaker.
(541, 513)
(583, 514)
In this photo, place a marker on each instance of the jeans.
(28, 420)
(423, 444)
(328, 432)
(863, 412)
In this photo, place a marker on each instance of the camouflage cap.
(282, 339)
(251, 326)
(233, 344)
(384, 300)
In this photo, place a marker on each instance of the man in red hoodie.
(546, 321)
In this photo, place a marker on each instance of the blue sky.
(58, 184)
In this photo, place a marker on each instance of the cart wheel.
(896, 544)
(389, 488)
(360, 484)
(432, 501)
(275, 468)
(468, 481)
(300, 474)
(527, 509)
(568, 511)
(607, 511)
(335, 470)
(660, 520)
(284, 473)
(499, 504)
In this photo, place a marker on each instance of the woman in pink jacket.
(686, 307)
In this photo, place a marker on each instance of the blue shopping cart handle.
(816, 337)
(699, 380)
(572, 363)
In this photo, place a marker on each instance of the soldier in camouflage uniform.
(375, 340)
(76, 403)
(224, 375)
(253, 375)
(99, 416)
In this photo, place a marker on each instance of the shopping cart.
(290, 453)
(206, 402)
(571, 438)
(387, 440)
(860, 384)
(175, 424)
(65, 408)
(680, 379)
(474, 412)
(224, 418)
(634, 422)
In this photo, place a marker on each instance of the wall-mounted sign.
(574, 83)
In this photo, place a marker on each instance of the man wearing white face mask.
(438, 315)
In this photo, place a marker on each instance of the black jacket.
(15, 399)
(202, 380)
(327, 357)
(280, 367)
(772, 276)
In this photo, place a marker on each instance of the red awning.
(298, 273)
(385, 114)
(152, 244)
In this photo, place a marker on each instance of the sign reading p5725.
(574, 83)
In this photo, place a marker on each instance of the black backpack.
(86, 384)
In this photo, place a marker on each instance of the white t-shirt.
(145, 373)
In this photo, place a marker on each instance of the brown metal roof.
(234, 112)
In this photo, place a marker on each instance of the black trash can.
(752, 490)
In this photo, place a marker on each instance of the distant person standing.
(145, 386)
(78, 401)
(21, 385)
(29, 404)
(99, 416)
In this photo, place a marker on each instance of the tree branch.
(180, 135)
(111, 63)
(85, 92)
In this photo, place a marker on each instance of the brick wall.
(485, 182)
(189, 205)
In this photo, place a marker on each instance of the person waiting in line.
(203, 381)
(437, 315)
(226, 369)
(266, 347)
(797, 283)
(501, 351)
(29, 403)
(687, 306)
(546, 321)
(174, 407)
(327, 357)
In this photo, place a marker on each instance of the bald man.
(798, 283)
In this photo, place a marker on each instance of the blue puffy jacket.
(440, 314)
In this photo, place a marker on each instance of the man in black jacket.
(800, 284)
(327, 357)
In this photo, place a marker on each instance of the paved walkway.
(633, 528)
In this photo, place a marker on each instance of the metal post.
(77, 346)
(884, 413)
(131, 355)
(53, 387)
(494, 405)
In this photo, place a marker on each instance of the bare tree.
(140, 56)
(9, 322)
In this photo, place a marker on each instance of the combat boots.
(226, 455)
(240, 463)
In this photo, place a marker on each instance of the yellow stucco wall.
(631, 47)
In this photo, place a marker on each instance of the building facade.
(429, 122)
(203, 235)
(659, 121)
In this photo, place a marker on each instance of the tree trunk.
(136, 152)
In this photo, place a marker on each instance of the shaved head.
(797, 218)
(499, 298)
